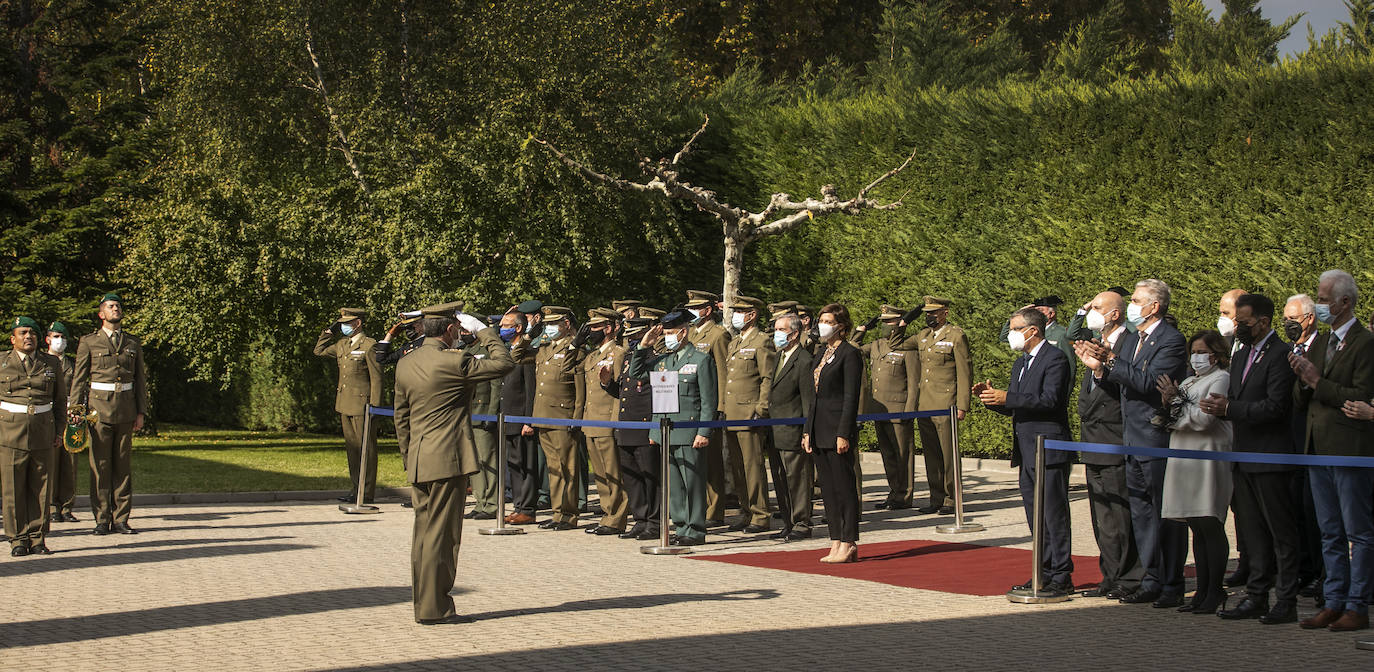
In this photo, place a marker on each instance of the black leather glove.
(581, 338)
(912, 314)
(869, 325)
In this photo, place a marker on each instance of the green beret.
(111, 296)
(529, 307)
(59, 328)
(24, 321)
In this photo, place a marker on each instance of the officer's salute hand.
(651, 337)
(604, 374)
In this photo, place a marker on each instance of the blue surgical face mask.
(670, 340)
(737, 320)
(508, 333)
(1323, 313)
(551, 331)
(780, 339)
(347, 329)
(1133, 315)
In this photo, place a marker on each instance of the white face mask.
(737, 320)
(58, 345)
(670, 340)
(1016, 340)
(826, 330)
(1095, 320)
(551, 331)
(1226, 326)
(1202, 364)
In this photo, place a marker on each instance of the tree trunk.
(733, 267)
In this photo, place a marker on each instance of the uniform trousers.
(746, 456)
(522, 461)
(687, 491)
(895, 444)
(484, 485)
(353, 426)
(62, 485)
(112, 479)
(436, 536)
(639, 471)
(937, 446)
(610, 483)
(24, 474)
(560, 453)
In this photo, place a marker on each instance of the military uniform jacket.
(714, 340)
(749, 375)
(946, 368)
(696, 386)
(118, 362)
(596, 402)
(558, 389)
(791, 397)
(434, 388)
(68, 374)
(486, 395)
(34, 382)
(360, 376)
(894, 379)
(636, 403)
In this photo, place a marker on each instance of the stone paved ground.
(302, 586)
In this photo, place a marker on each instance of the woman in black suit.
(832, 430)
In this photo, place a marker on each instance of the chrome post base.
(959, 528)
(1029, 596)
(500, 531)
(664, 550)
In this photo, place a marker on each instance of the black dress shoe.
(882, 505)
(739, 527)
(780, 535)
(1239, 577)
(19, 551)
(633, 532)
(755, 529)
(470, 515)
(485, 515)
(1283, 612)
(1248, 608)
(562, 527)
(1056, 588)
(1100, 590)
(100, 529)
(68, 517)
(123, 528)
(928, 509)
(548, 524)
(714, 523)
(40, 549)
(1025, 586)
(1116, 593)
(407, 504)
(946, 510)
(1168, 601)
(1141, 597)
(448, 620)
(897, 506)
(687, 541)
(648, 535)
(346, 498)
(607, 530)
(56, 518)
(798, 535)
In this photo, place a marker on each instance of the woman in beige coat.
(1197, 492)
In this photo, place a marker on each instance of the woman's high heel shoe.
(851, 556)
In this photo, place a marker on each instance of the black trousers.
(1210, 551)
(1310, 563)
(639, 471)
(1111, 517)
(1269, 518)
(1056, 558)
(526, 472)
(839, 492)
(1163, 544)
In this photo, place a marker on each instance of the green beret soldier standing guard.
(360, 384)
(62, 484)
(32, 412)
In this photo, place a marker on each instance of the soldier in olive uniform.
(894, 387)
(639, 456)
(486, 400)
(109, 375)
(946, 380)
(696, 392)
(433, 429)
(749, 370)
(711, 338)
(32, 413)
(360, 384)
(810, 337)
(628, 308)
(558, 392)
(62, 483)
(598, 404)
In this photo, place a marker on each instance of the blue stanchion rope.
(695, 424)
(1216, 456)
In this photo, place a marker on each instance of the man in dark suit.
(1099, 413)
(639, 456)
(1037, 399)
(1155, 349)
(790, 397)
(1300, 327)
(1259, 405)
(1340, 373)
(522, 452)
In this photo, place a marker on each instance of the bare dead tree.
(317, 85)
(739, 226)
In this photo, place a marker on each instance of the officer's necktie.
(1332, 346)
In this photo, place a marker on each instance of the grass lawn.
(196, 459)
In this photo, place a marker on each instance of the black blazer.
(1099, 414)
(1349, 378)
(1261, 405)
(517, 395)
(835, 410)
(1165, 353)
(791, 397)
(1038, 403)
(387, 355)
(636, 405)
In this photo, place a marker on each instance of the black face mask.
(595, 338)
(932, 321)
(1245, 333)
(1292, 329)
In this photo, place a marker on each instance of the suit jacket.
(636, 403)
(38, 381)
(894, 377)
(1038, 403)
(486, 395)
(100, 361)
(517, 392)
(1349, 377)
(1261, 403)
(433, 392)
(1165, 352)
(946, 367)
(558, 389)
(597, 403)
(1099, 414)
(714, 340)
(791, 396)
(749, 375)
(386, 353)
(696, 386)
(835, 408)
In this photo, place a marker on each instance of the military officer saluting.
(558, 392)
(32, 413)
(639, 456)
(749, 370)
(696, 400)
(946, 380)
(109, 375)
(62, 481)
(385, 352)
(707, 336)
(360, 384)
(486, 400)
(598, 404)
(894, 387)
(434, 431)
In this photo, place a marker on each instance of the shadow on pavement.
(257, 526)
(216, 515)
(124, 623)
(59, 562)
(634, 602)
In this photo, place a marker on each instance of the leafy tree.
(1241, 38)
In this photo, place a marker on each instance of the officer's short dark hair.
(1033, 318)
(519, 317)
(436, 326)
(1260, 305)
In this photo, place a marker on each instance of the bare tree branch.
(594, 176)
(864, 192)
(688, 146)
(346, 147)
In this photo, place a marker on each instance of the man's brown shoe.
(1350, 620)
(519, 519)
(1320, 619)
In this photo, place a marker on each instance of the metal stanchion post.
(500, 529)
(360, 506)
(1034, 595)
(959, 526)
(665, 428)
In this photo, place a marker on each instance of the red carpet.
(967, 569)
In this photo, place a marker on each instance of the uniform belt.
(25, 409)
(112, 387)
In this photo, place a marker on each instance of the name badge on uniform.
(949, 343)
(558, 355)
(664, 385)
(746, 351)
(604, 363)
(358, 353)
(688, 369)
(479, 356)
